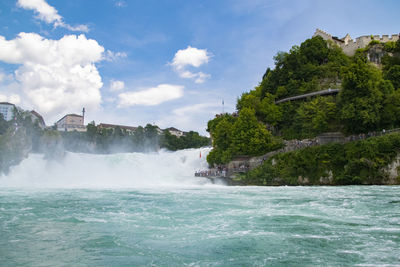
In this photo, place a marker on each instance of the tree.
(249, 137)
(189, 140)
(152, 138)
(91, 131)
(3, 124)
(391, 110)
(360, 98)
(221, 132)
(316, 116)
(393, 75)
(269, 112)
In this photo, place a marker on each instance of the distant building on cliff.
(349, 46)
(71, 122)
(7, 110)
(176, 132)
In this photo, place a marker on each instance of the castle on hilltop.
(349, 46)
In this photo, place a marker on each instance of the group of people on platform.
(298, 144)
(218, 172)
(362, 136)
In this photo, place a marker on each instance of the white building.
(71, 122)
(7, 110)
(176, 132)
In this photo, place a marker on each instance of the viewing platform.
(297, 97)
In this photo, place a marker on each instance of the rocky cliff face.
(393, 171)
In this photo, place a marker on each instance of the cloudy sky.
(166, 62)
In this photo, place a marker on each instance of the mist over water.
(122, 170)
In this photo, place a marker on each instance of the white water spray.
(125, 170)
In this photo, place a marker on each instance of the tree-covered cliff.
(368, 99)
(372, 161)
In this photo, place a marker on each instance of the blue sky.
(165, 62)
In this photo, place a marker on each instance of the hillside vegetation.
(360, 162)
(369, 100)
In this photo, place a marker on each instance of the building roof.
(74, 115)
(40, 118)
(173, 129)
(337, 39)
(105, 125)
(6, 103)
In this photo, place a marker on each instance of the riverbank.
(241, 170)
(373, 161)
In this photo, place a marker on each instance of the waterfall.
(123, 170)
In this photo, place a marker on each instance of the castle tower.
(347, 39)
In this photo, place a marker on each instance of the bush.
(359, 162)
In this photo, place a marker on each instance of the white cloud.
(193, 57)
(195, 109)
(151, 96)
(113, 56)
(55, 76)
(14, 98)
(4, 78)
(117, 86)
(77, 28)
(49, 14)
(201, 77)
(3, 98)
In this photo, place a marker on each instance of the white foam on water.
(124, 170)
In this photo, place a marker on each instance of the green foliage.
(189, 140)
(248, 136)
(312, 66)
(14, 147)
(212, 124)
(373, 42)
(143, 139)
(317, 116)
(3, 124)
(91, 131)
(360, 162)
(369, 100)
(390, 46)
(361, 97)
(393, 75)
(221, 132)
(243, 135)
(391, 110)
(303, 69)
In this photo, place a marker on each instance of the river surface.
(195, 224)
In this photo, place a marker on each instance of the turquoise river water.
(50, 217)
